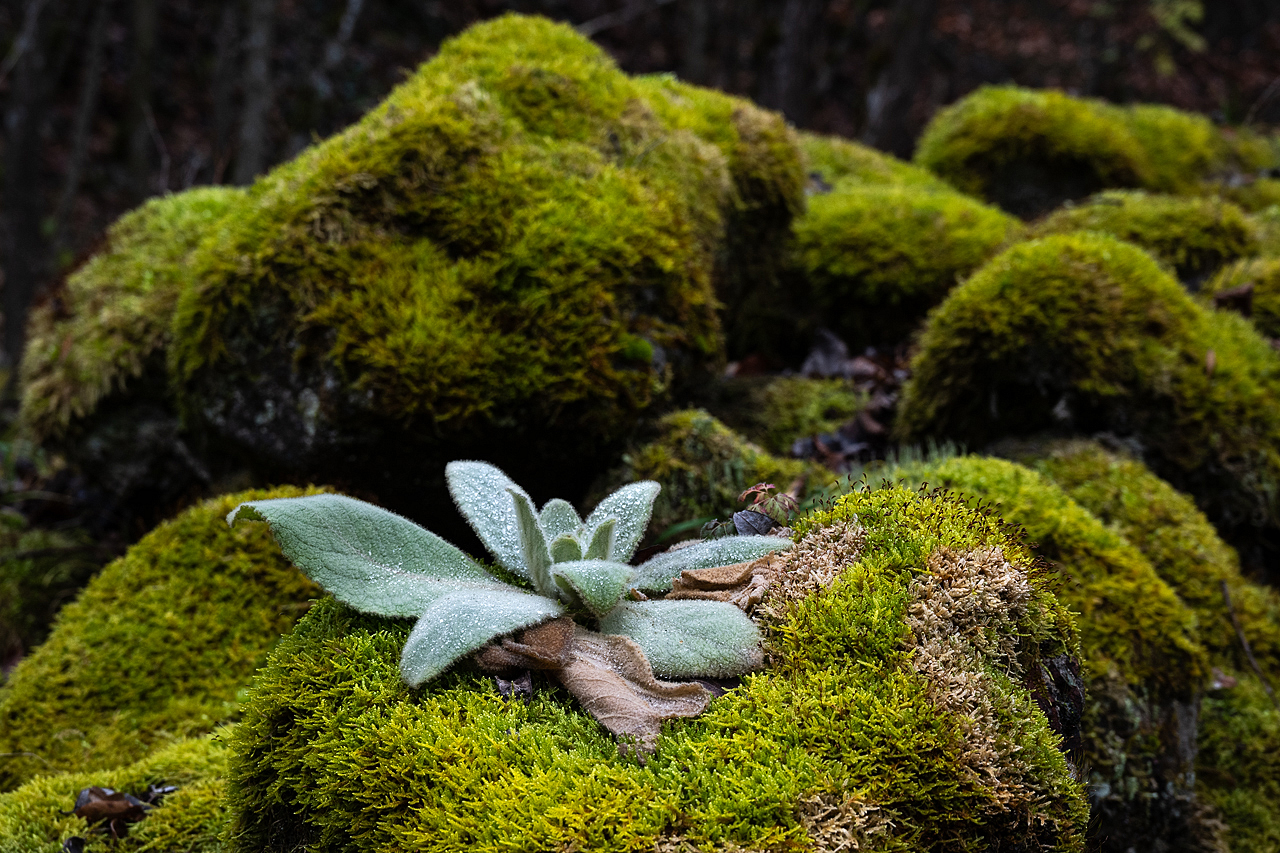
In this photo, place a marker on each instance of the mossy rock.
(1263, 274)
(1086, 333)
(775, 411)
(1144, 663)
(1030, 150)
(876, 258)
(1182, 149)
(1194, 236)
(703, 467)
(521, 247)
(883, 719)
(36, 818)
(155, 648)
(832, 161)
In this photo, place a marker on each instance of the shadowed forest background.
(108, 102)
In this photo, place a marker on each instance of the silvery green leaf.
(565, 548)
(557, 518)
(602, 540)
(480, 491)
(460, 622)
(372, 559)
(599, 584)
(688, 639)
(533, 545)
(657, 573)
(631, 506)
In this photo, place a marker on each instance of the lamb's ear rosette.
(378, 562)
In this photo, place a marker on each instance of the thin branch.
(1248, 652)
(160, 146)
(626, 14)
(23, 41)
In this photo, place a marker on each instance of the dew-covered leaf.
(557, 518)
(631, 506)
(565, 548)
(533, 545)
(600, 584)
(460, 622)
(481, 492)
(366, 557)
(688, 639)
(602, 540)
(657, 573)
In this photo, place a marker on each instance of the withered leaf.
(542, 647)
(748, 522)
(742, 584)
(610, 676)
(74, 844)
(114, 809)
(716, 577)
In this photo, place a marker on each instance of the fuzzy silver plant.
(588, 618)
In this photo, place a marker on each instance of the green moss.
(155, 648)
(111, 321)
(481, 252)
(1257, 195)
(774, 411)
(1145, 664)
(337, 754)
(1028, 150)
(878, 257)
(1264, 275)
(36, 817)
(703, 467)
(1193, 236)
(1085, 331)
(1181, 148)
(1239, 766)
(837, 162)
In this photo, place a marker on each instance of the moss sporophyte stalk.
(573, 577)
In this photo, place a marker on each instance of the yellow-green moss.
(877, 257)
(336, 753)
(1239, 763)
(1027, 150)
(36, 817)
(1181, 148)
(837, 161)
(783, 409)
(1087, 332)
(155, 648)
(110, 324)
(519, 239)
(1194, 236)
(1143, 658)
(1264, 275)
(703, 467)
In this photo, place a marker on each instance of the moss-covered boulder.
(908, 641)
(1261, 277)
(37, 817)
(775, 411)
(1086, 333)
(155, 648)
(1195, 236)
(521, 248)
(703, 467)
(1144, 663)
(876, 257)
(832, 161)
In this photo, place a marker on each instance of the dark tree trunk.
(86, 109)
(795, 59)
(225, 49)
(251, 158)
(889, 121)
(141, 120)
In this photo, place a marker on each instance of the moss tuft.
(703, 467)
(877, 257)
(846, 735)
(155, 648)
(1086, 332)
(837, 162)
(1193, 236)
(1181, 148)
(1264, 275)
(110, 324)
(35, 818)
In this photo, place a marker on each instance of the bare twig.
(629, 12)
(1267, 94)
(165, 162)
(25, 755)
(1244, 643)
(23, 41)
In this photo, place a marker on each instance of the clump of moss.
(1144, 662)
(848, 734)
(774, 411)
(703, 467)
(155, 648)
(836, 161)
(1085, 332)
(520, 244)
(37, 817)
(1028, 150)
(1194, 236)
(1263, 275)
(1181, 148)
(877, 257)
(110, 323)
